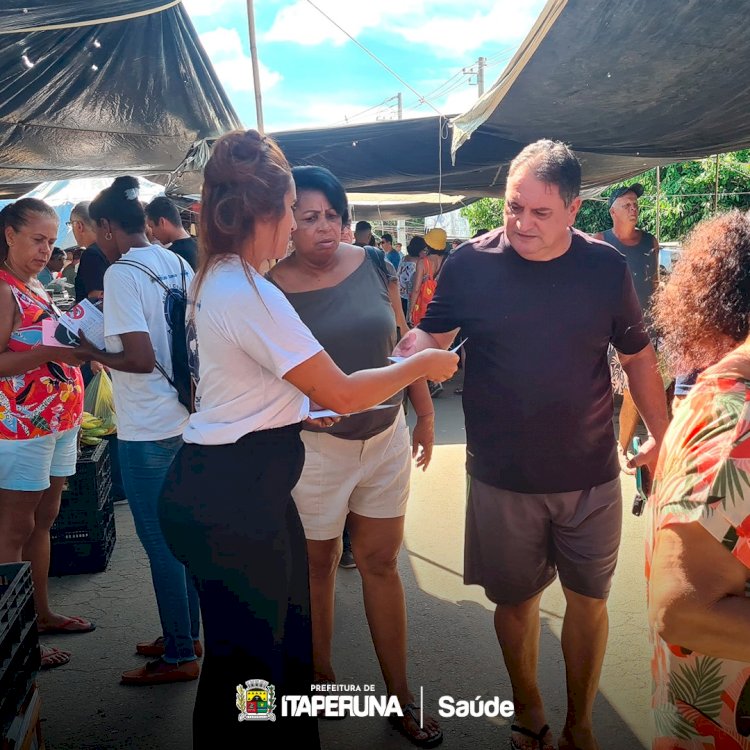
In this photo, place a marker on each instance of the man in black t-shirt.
(539, 303)
(163, 219)
(89, 281)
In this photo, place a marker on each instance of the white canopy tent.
(64, 194)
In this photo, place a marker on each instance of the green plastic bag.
(99, 402)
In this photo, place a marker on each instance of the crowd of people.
(286, 314)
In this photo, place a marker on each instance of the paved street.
(452, 642)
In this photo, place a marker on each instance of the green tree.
(686, 197)
(486, 213)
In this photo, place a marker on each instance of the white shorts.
(369, 477)
(27, 465)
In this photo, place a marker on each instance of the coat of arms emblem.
(256, 701)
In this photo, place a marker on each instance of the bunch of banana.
(92, 429)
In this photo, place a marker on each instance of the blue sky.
(312, 75)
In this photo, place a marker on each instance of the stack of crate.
(83, 536)
(19, 660)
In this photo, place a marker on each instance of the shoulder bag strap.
(154, 277)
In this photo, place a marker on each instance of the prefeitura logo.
(256, 701)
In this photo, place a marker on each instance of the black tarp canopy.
(100, 89)
(414, 156)
(629, 85)
(406, 157)
(665, 80)
(362, 157)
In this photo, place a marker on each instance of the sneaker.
(347, 559)
(156, 647)
(160, 672)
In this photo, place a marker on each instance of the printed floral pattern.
(47, 399)
(701, 702)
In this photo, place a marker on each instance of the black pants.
(227, 513)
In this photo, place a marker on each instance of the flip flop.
(53, 657)
(411, 711)
(538, 737)
(69, 625)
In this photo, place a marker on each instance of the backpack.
(175, 312)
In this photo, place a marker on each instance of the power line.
(421, 99)
(374, 57)
(348, 118)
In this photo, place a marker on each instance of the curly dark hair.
(703, 312)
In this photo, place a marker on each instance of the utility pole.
(481, 65)
(400, 105)
(477, 71)
(254, 59)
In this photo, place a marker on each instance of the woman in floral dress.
(698, 548)
(41, 400)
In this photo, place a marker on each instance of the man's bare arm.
(647, 389)
(417, 340)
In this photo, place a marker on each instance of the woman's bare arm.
(697, 593)
(325, 384)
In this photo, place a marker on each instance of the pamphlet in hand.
(455, 349)
(85, 317)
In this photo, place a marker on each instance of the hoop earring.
(108, 236)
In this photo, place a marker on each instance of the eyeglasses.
(68, 223)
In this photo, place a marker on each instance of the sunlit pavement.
(453, 651)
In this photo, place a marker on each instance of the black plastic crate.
(16, 603)
(93, 532)
(85, 550)
(17, 674)
(87, 500)
(87, 511)
(93, 476)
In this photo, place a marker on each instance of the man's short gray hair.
(80, 212)
(554, 163)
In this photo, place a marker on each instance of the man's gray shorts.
(515, 542)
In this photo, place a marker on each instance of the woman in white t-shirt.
(227, 510)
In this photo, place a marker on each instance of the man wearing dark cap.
(641, 251)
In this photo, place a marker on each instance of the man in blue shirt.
(391, 254)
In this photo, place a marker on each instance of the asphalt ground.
(452, 645)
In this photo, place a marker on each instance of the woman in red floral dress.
(698, 548)
(41, 400)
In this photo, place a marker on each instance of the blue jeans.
(144, 467)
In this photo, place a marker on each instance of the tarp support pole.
(716, 186)
(254, 58)
(658, 203)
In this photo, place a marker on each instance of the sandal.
(67, 626)
(538, 738)
(411, 711)
(53, 657)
